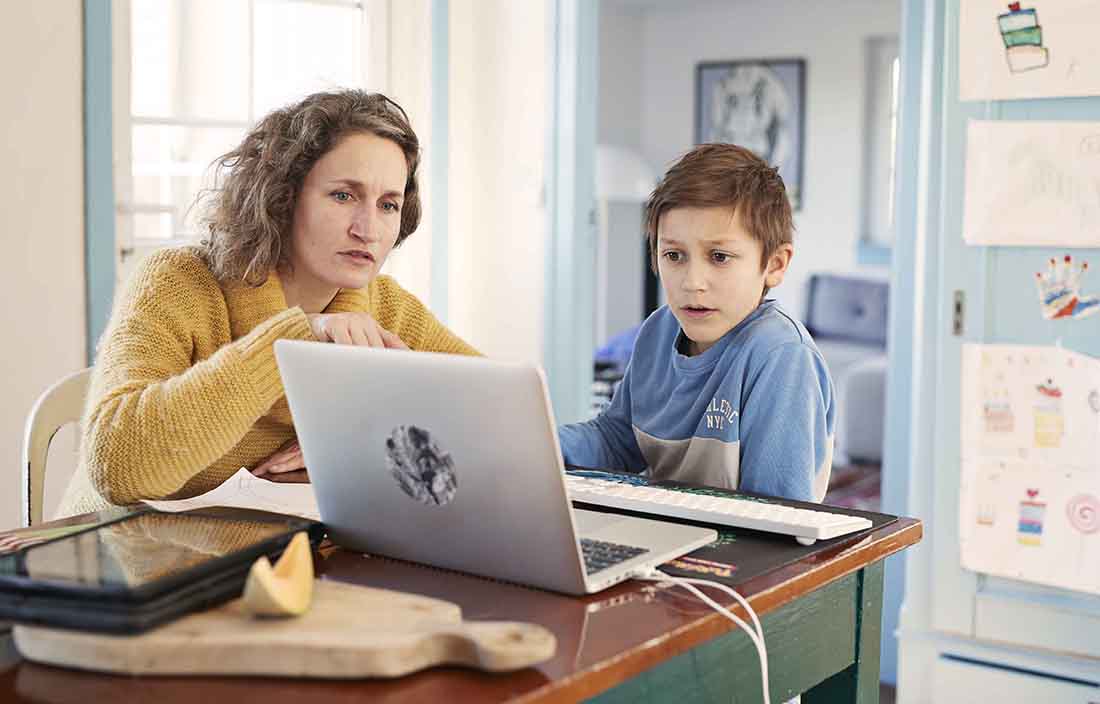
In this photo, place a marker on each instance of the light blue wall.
(571, 206)
(99, 192)
(441, 146)
(905, 315)
(922, 469)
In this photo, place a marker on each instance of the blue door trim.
(570, 198)
(912, 316)
(99, 190)
(440, 121)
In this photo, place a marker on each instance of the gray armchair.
(847, 316)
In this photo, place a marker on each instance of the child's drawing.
(1029, 508)
(1060, 290)
(1035, 49)
(1032, 183)
(1023, 39)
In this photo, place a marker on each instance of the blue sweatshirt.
(754, 412)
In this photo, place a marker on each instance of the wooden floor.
(857, 486)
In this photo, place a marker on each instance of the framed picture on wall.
(758, 104)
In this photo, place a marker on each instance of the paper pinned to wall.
(1032, 183)
(244, 490)
(1029, 502)
(1037, 49)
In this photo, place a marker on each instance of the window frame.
(128, 247)
(880, 167)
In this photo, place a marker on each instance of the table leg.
(859, 682)
(809, 639)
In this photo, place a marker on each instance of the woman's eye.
(672, 256)
(341, 196)
(390, 207)
(720, 257)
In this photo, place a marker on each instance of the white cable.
(756, 635)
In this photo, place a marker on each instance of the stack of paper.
(243, 490)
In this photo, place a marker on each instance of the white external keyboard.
(805, 525)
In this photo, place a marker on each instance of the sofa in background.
(847, 316)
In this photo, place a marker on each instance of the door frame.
(569, 338)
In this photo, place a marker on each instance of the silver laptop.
(454, 462)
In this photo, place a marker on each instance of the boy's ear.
(777, 265)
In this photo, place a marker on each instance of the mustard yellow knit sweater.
(186, 391)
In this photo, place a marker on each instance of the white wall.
(619, 120)
(408, 80)
(497, 223)
(41, 223)
(830, 36)
(620, 288)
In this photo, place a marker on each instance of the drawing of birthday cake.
(998, 413)
(1023, 38)
(987, 513)
(1030, 531)
(1050, 423)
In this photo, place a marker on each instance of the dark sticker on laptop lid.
(422, 469)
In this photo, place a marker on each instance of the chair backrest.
(848, 308)
(58, 406)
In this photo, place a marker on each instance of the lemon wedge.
(286, 589)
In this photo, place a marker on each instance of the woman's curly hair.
(248, 213)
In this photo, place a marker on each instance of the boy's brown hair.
(725, 175)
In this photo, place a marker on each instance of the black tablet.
(141, 570)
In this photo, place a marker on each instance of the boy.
(724, 388)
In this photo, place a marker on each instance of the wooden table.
(634, 643)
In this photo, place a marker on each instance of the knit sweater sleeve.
(154, 418)
(405, 315)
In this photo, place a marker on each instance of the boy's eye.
(341, 196)
(720, 257)
(672, 256)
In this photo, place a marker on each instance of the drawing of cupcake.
(1050, 423)
(1030, 530)
(1023, 38)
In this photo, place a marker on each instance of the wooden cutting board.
(349, 632)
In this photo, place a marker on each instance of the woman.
(186, 390)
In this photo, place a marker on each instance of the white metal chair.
(58, 406)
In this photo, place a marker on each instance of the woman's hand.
(353, 329)
(298, 476)
(286, 460)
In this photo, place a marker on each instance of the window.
(881, 134)
(200, 73)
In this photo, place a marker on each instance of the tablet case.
(119, 609)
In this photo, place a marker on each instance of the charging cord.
(755, 633)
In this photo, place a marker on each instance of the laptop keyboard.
(599, 555)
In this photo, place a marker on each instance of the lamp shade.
(622, 174)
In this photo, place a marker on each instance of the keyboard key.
(599, 554)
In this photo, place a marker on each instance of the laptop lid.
(443, 459)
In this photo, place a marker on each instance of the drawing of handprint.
(1059, 290)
